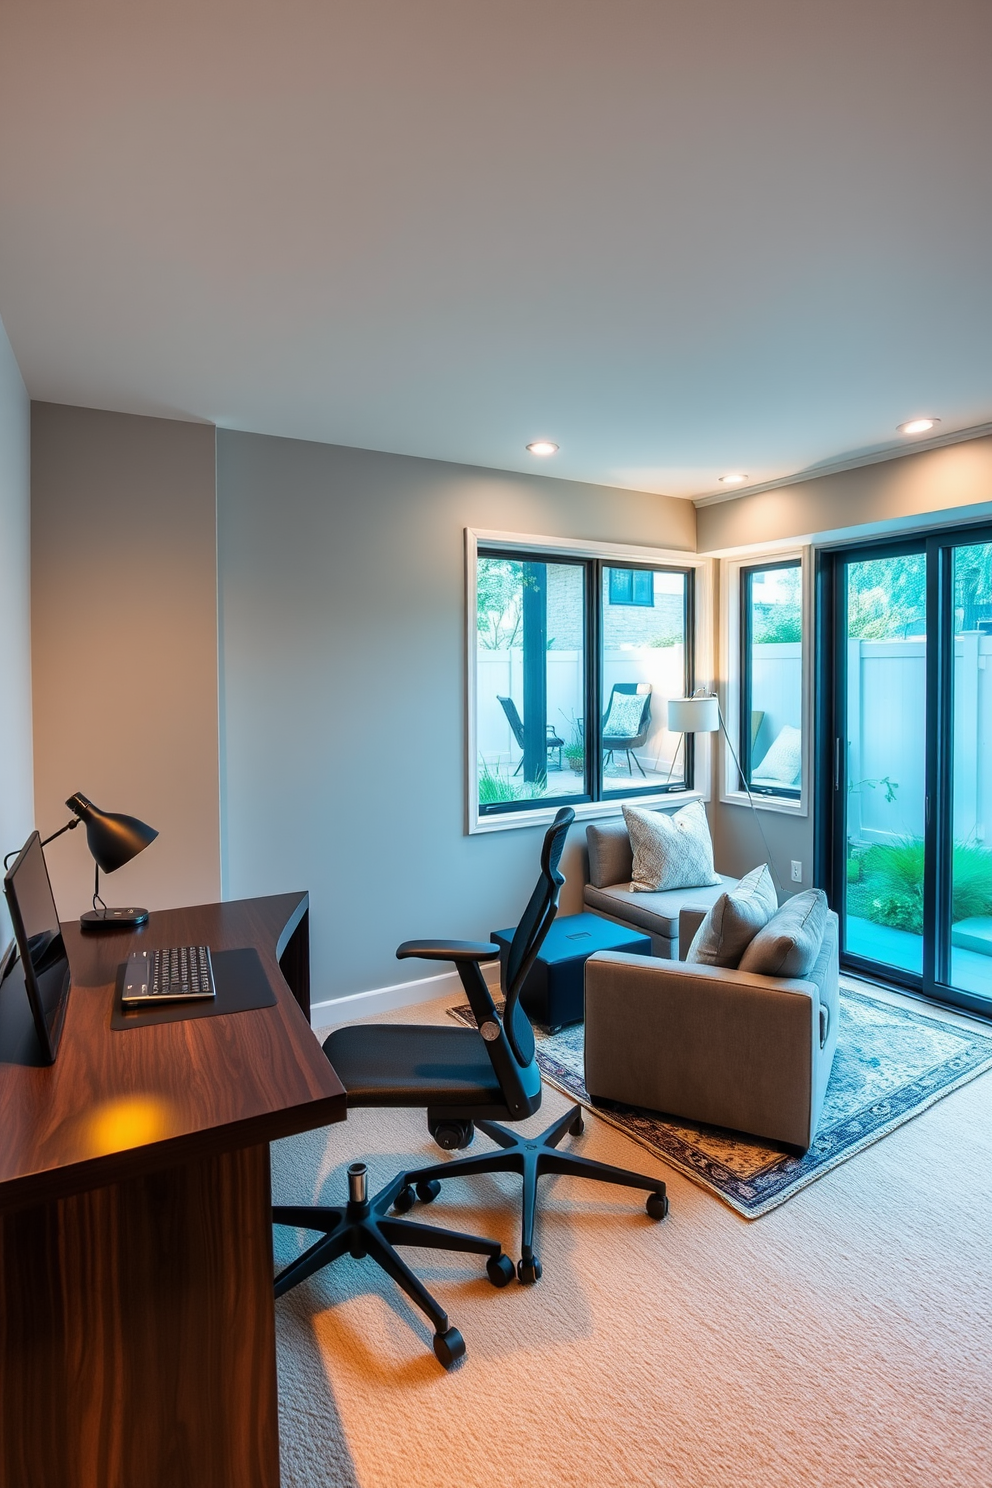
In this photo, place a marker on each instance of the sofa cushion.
(657, 913)
(789, 944)
(670, 851)
(735, 919)
(610, 858)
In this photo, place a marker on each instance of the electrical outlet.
(797, 871)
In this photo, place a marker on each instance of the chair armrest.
(448, 950)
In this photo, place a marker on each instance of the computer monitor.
(41, 948)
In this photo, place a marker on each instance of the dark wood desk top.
(119, 1103)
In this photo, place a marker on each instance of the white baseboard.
(359, 1005)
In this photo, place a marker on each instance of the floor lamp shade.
(694, 715)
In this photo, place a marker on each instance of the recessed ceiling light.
(917, 426)
(543, 447)
(736, 478)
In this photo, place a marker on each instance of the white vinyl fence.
(500, 673)
(886, 701)
(886, 720)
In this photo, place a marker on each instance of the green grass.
(496, 788)
(889, 890)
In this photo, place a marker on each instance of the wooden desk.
(137, 1329)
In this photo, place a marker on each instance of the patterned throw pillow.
(624, 718)
(671, 851)
(790, 943)
(783, 763)
(735, 920)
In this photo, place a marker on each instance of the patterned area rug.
(891, 1063)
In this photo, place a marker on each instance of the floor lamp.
(702, 714)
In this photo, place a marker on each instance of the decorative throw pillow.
(624, 717)
(783, 763)
(735, 920)
(671, 850)
(790, 943)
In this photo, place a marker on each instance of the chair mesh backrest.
(535, 922)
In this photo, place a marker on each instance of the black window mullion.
(689, 662)
(746, 688)
(938, 834)
(594, 678)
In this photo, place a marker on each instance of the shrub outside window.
(571, 685)
(772, 679)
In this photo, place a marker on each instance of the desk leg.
(137, 1333)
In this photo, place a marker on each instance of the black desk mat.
(241, 983)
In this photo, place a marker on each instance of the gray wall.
(124, 634)
(342, 607)
(16, 786)
(943, 481)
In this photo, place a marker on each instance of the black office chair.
(467, 1080)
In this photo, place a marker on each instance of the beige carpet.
(844, 1340)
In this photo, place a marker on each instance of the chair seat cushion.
(399, 1064)
(658, 912)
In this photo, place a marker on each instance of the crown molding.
(836, 467)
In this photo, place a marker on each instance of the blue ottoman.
(552, 995)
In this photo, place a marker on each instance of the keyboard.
(173, 974)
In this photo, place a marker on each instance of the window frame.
(735, 689)
(597, 556)
(745, 660)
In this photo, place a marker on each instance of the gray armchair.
(710, 1044)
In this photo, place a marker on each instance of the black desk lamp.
(114, 840)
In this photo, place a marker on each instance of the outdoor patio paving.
(971, 972)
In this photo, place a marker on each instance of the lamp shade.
(694, 715)
(112, 838)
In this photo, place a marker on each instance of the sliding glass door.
(906, 751)
(968, 910)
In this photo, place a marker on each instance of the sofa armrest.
(703, 1042)
(691, 916)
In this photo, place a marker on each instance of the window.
(631, 586)
(771, 712)
(571, 687)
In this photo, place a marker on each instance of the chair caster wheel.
(428, 1191)
(452, 1134)
(529, 1271)
(578, 1126)
(449, 1347)
(403, 1200)
(657, 1205)
(500, 1270)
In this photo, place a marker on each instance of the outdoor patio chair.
(517, 725)
(624, 727)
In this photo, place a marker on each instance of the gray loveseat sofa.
(608, 891)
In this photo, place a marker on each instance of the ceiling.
(676, 238)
